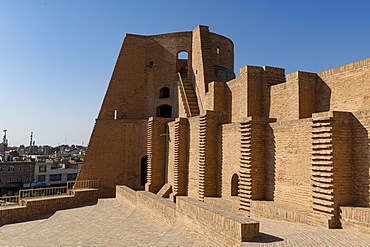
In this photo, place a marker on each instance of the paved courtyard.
(109, 223)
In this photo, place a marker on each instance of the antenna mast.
(30, 143)
(5, 141)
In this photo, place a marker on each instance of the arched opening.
(234, 185)
(164, 111)
(164, 92)
(182, 63)
(143, 170)
(183, 55)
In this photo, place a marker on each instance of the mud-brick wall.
(288, 166)
(114, 153)
(230, 157)
(285, 101)
(193, 179)
(361, 157)
(170, 153)
(344, 88)
(236, 97)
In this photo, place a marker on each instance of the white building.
(56, 174)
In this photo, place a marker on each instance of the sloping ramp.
(113, 223)
(107, 223)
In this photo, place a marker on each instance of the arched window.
(143, 170)
(164, 92)
(164, 111)
(234, 185)
(182, 55)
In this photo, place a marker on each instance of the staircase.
(245, 180)
(322, 173)
(202, 156)
(188, 97)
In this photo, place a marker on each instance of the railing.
(183, 96)
(6, 201)
(43, 192)
(83, 184)
(47, 192)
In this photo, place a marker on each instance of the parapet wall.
(32, 208)
(218, 225)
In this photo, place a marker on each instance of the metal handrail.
(183, 96)
(6, 201)
(43, 192)
(47, 192)
(83, 184)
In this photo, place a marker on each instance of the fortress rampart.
(292, 147)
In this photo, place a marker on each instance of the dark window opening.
(41, 178)
(234, 185)
(143, 170)
(164, 92)
(56, 177)
(151, 63)
(71, 176)
(164, 111)
(42, 168)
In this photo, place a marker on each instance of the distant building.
(54, 173)
(14, 174)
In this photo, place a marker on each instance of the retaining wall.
(35, 207)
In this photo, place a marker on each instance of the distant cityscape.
(33, 166)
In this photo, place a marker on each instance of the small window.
(42, 168)
(115, 114)
(183, 55)
(218, 50)
(2, 169)
(71, 176)
(151, 63)
(41, 178)
(164, 92)
(11, 169)
(56, 177)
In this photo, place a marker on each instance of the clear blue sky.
(57, 56)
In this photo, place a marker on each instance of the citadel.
(292, 147)
(185, 138)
